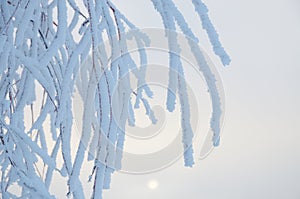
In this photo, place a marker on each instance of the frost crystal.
(44, 48)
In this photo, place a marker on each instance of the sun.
(152, 184)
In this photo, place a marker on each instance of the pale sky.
(259, 155)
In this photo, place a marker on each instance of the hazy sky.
(259, 155)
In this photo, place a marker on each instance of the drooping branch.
(44, 58)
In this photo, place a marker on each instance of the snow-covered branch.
(49, 49)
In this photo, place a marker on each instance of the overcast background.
(259, 155)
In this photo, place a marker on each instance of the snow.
(42, 64)
(202, 11)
